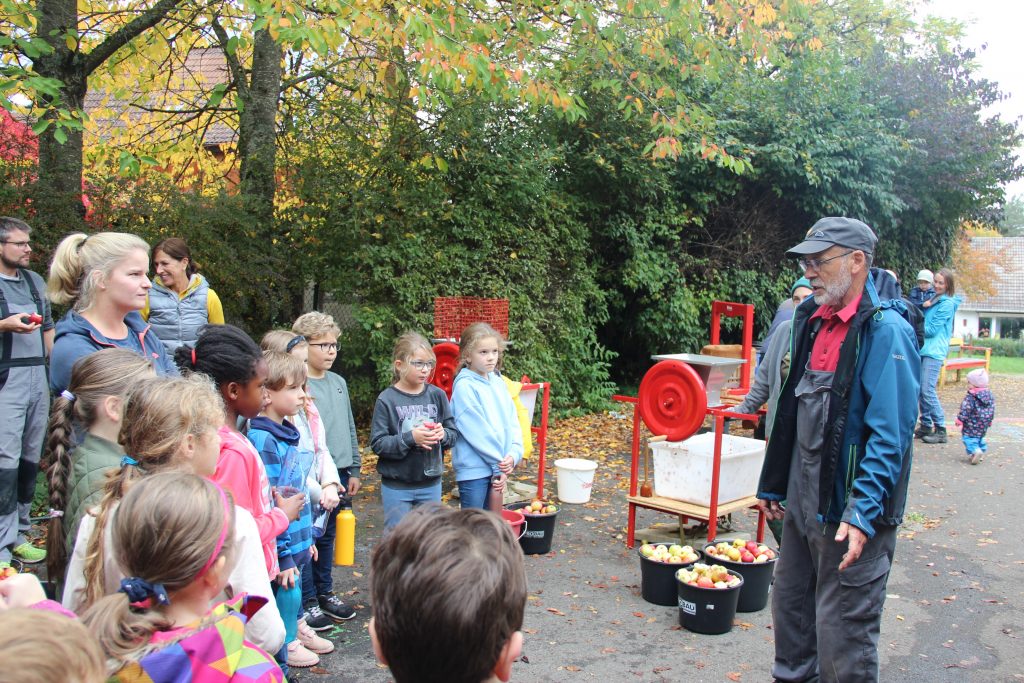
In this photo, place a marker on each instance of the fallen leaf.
(572, 667)
(639, 615)
(734, 675)
(556, 611)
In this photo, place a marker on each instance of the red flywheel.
(672, 400)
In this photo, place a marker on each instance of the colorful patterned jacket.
(976, 412)
(216, 653)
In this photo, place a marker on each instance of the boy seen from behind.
(449, 593)
(330, 394)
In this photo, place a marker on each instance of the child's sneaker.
(977, 456)
(333, 607)
(311, 641)
(315, 617)
(299, 657)
(28, 553)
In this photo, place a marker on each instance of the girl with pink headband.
(169, 425)
(159, 626)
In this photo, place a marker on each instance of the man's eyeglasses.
(20, 245)
(326, 346)
(423, 364)
(817, 263)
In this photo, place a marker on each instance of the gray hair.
(9, 225)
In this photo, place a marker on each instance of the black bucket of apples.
(754, 561)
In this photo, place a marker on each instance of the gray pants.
(826, 622)
(24, 410)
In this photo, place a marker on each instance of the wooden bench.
(957, 361)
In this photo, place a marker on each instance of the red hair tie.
(193, 357)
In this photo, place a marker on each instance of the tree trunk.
(58, 192)
(257, 129)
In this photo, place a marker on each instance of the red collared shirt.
(831, 335)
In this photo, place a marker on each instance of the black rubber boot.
(922, 431)
(938, 436)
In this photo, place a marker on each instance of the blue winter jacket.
(286, 465)
(488, 425)
(869, 429)
(938, 326)
(76, 337)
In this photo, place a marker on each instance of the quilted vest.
(177, 321)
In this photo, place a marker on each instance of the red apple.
(705, 582)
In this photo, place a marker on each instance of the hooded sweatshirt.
(277, 444)
(488, 425)
(76, 337)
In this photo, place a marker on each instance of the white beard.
(837, 288)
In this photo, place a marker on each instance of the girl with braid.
(93, 401)
(169, 425)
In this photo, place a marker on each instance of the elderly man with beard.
(840, 455)
(25, 342)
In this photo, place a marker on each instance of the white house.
(1002, 314)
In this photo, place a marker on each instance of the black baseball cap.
(836, 231)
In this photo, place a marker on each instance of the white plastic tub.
(682, 469)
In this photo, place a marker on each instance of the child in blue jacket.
(490, 442)
(277, 440)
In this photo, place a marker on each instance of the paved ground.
(955, 607)
(953, 613)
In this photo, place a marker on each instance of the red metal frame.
(720, 415)
(544, 390)
(730, 309)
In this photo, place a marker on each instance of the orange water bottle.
(345, 540)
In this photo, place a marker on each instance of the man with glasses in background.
(26, 337)
(840, 457)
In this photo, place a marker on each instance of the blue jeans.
(931, 409)
(975, 443)
(473, 493)
(398, 502)
(316, 576)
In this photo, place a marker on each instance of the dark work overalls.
(826, 622)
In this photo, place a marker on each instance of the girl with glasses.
(412, 427)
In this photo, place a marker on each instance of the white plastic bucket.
(575, 479)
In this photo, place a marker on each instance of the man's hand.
(13, 323)
(353, 486)
(507, 464)
(314, 554)
(772, 509)
(857, 539)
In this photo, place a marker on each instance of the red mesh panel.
(452, 314)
